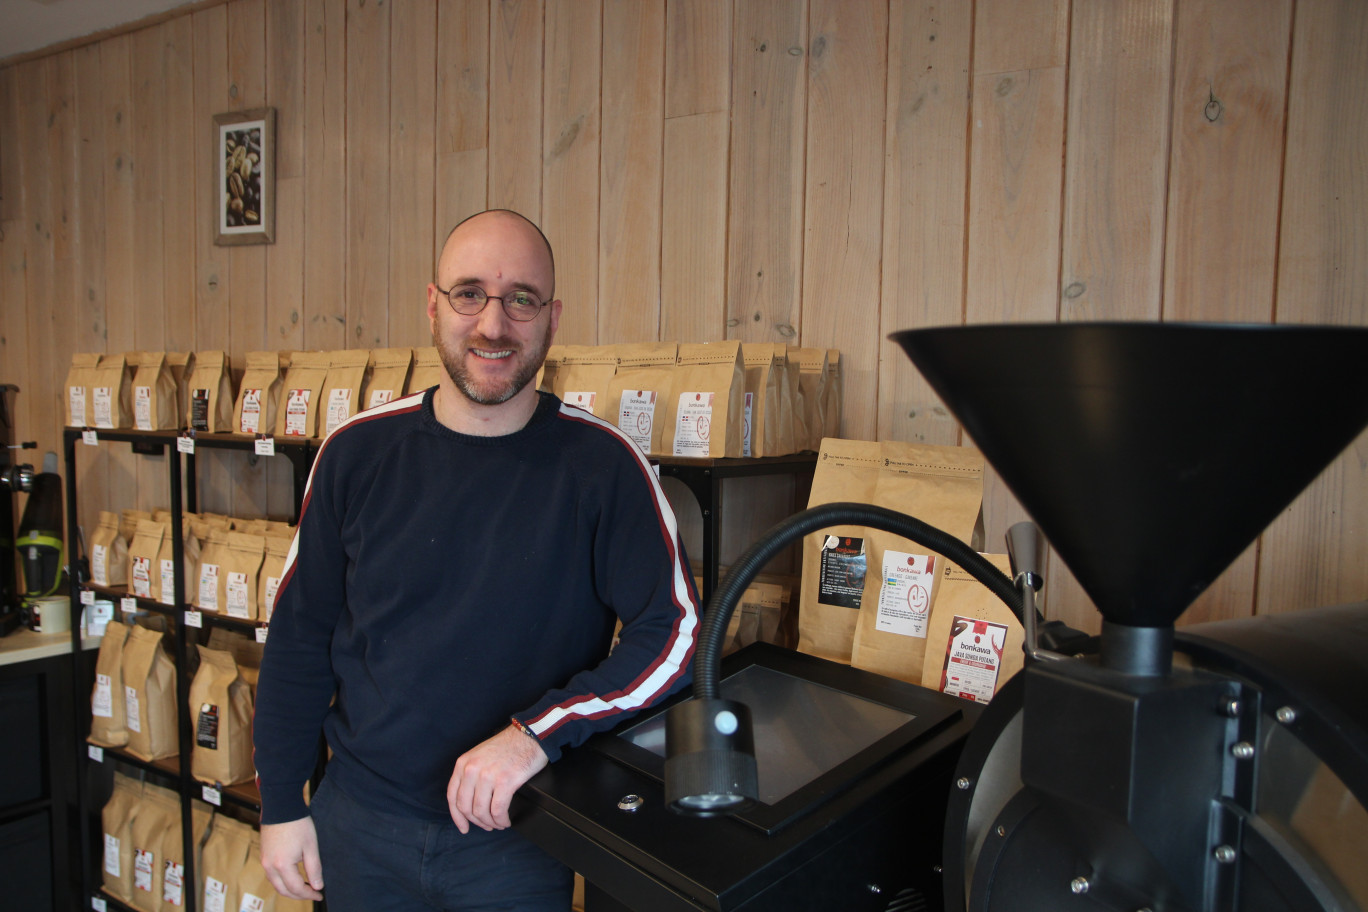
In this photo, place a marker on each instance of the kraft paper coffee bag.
(210, 388)
(427, 369)
(221, 711)
(832, 395)
(342, 388)
(149, 696)
(761, 435)
(108, 727)
(128, 523)
(241, 562)
(211, 591)
(159, 811)
(155, 402)
(225, 853)
(637, 393)
(258, 396)
(166, 570)
(277, 549)
(108, 552)
(584, 376)
(300, 397)
(811, 402)
(117, 821)
(173, 853)
(79, 410)
(704, 415)
(180, 365)
(386, 375)
(974, 642)
(111, 393)
(143, 570)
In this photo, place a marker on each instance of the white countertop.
(23, 645)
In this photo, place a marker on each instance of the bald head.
(504, 224)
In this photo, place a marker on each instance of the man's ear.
(555, 316)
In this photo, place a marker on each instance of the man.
(462, 556)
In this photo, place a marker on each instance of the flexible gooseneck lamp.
(709, 746)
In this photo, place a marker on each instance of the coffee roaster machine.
(1221, 767)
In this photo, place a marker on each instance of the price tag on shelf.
(95, 753)
(128, 604)
(194, 619)
(90, 438)
(98, 904)
(261, 634)
(185, 444)
(87, 596)
(265, 446)
(213, 796)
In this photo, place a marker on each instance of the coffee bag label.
(111, 855)
(142, 870)
(636, 416)
(379, 397)
(297, 413)
(841, 572)
(693, 426)
(142, 577)
(99, 564)
(584, 400)
(272, 585)
(131, 708)
(173, 884)
(215, 894)
(142, 408)
(339, 409)
(251, 903)
(746, 440)
(104, 412)
(168, 582)
(102, 704)
(905, 593)
(251, 411)
(208, 587)
(207, 728)
(199, 409)
(973, 658)
(237, 594)
(76, 403)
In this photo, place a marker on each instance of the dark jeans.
(377, 862)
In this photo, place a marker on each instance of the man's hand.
(487, 775)
(283, 847)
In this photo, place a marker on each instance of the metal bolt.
(1242, 751)
(630, 803)
(1079, 885)
(1002, 830)
(963, 782)
(875, 889)
(1286, 715)
(1224, 854)
(1230, 707)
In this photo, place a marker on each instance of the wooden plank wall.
(816, 172)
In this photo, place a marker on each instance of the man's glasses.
(469, 300)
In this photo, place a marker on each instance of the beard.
(453, 359)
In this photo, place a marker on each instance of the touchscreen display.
(802, 729)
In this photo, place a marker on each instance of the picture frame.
(244, 177)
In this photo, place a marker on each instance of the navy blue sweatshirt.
(442, 584)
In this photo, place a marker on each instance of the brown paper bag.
(79, 411)
(108, 728)
(342, 388)
(173, 853)
(255, 891)
(211, 591)
(117, 820)
(258, 398)
(149, 696)
(973, 646)
(108, 552)
(810, 419)
(546, 374)
(143, 570)
(225, 853)
(637, 392)
(211, 393)
(165, 584)
(240, 566)
(298, 413)
(705, 412)
(427, 369)
(764, 376)
(277, 549)
(158, 812)
(386, 375)
(584, 375)
(941, 486)
(128, 523)
(832, 395)
(111, 393)
(154, 393)
(221, 707)
(179, 365)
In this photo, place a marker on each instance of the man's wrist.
(518, 724)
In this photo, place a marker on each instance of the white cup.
(51, 614)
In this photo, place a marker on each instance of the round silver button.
(630, 803)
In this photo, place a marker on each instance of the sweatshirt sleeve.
(296, 683)
(644, 576)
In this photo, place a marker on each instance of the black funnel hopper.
(1150, 455)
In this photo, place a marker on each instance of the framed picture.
(244, 177)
